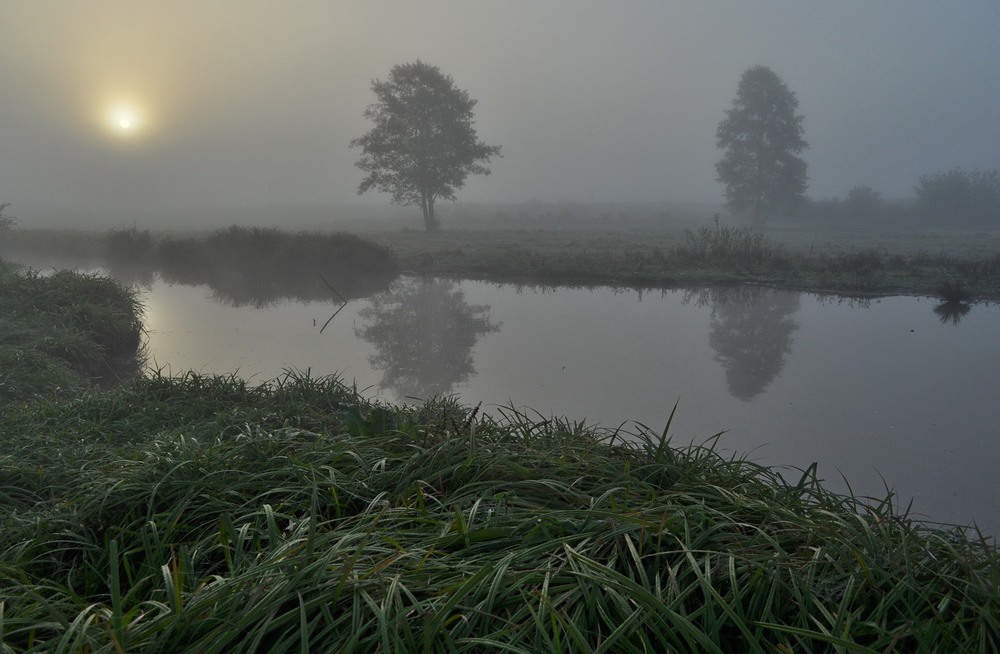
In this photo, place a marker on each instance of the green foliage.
(423, 144)
(761, 136)
(200, 514)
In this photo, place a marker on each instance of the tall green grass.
(61, 331)
(202, 514)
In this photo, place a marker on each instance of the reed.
(199, 513)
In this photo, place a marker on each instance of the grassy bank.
(874, 263)
(202, 514)
(65, 331)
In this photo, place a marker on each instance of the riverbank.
(297, 514)
(203, 511)
(873, 264)
(64, 332)
(847, 261)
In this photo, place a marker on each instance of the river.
(896, 393)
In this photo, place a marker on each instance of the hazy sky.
(253, 103)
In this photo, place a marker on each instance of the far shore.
(851, 261)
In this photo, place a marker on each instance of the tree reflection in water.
(952, 312)
(424, 332)
(751, 332)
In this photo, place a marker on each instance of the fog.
(247, 108)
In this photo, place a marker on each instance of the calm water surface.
(881, 392)
(886, 393)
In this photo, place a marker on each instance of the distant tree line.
(953, 198)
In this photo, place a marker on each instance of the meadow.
(201, 513)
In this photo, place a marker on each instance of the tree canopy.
(423, 144)
(761, 136)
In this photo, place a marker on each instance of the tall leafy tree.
(761, 136)
(423, 144)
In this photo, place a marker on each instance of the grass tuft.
(62, 331)
(201, 513)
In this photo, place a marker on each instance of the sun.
(125, 119)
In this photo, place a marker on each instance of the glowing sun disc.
(124, 119)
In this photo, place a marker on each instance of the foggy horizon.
(237, 107)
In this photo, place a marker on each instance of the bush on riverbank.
(63, 331)
(204, 514)
(256, 265)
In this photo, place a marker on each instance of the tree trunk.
(431, 223)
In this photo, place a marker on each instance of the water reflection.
(952, 312)
(260, 267)
(751, 332)
(136, 275)
(262, 288)
(424, 332)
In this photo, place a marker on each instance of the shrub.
(129, 245)
(742, 247)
